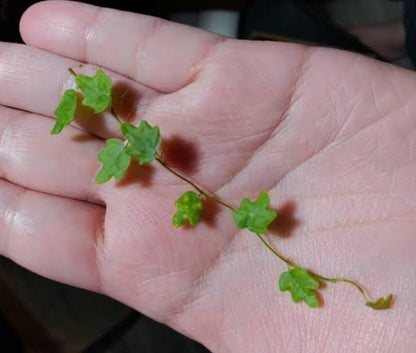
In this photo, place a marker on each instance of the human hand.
(330, 132)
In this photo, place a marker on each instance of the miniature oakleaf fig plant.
(142, 143)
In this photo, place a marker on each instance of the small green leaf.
(65, 111)
(381, 303)
(301, 284)
(144, 141)
(115, 161)
(256, 215)
(96, 90)
(189, 209)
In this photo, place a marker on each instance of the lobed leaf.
(255, 215)
(189, 209)
(301, 284)
(144, 141)
(381, 303)
(115, 161)
(65, 111)
(96, 90)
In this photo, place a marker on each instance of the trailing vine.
(142, 143)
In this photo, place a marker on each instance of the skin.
(331, 135)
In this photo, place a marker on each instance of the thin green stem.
(72, 72)
(323, 278)
(180, 176)
(201, 191)
(275, 252)
(286, 260)
(345, 280)
(115, 116)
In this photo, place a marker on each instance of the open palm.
(331, 135)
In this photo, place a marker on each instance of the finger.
(157, 53)
(62, 165)
(33, 80)
(52, 236)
